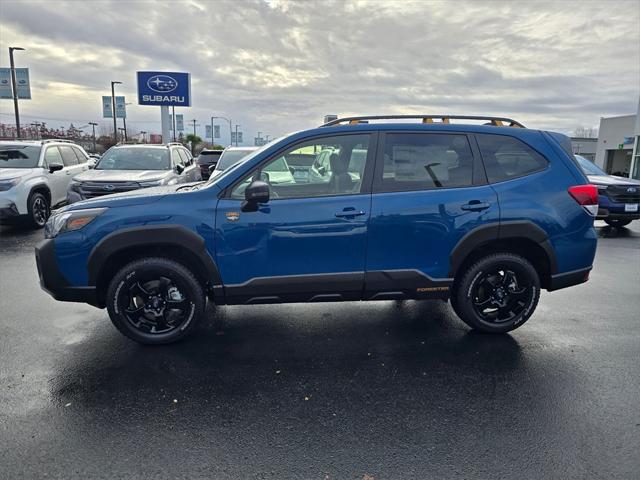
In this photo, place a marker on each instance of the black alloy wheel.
(155, 300)
(39, 210)
(497, 293)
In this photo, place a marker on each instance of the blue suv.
(406, 207)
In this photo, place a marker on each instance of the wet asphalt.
(384, 390)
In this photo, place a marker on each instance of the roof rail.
(495, 121)
(173, 143)
(63, 140)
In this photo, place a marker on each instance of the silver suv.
(130, 167)
(35, 176)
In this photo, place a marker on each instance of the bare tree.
(585, 132)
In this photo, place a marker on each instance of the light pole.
(230, 127)
(14, 88)
(237, 134)
(194, 126)
(124, 121)
(93, 126)
(113, 109)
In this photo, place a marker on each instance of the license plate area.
(630, 207)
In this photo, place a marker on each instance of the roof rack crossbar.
(495, 121)
(51, 140)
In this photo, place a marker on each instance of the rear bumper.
(569, 279)
(53, 282)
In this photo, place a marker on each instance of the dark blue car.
(618, 197)
(409, 207)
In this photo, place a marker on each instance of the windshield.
(135, 159)
(19, 156)
(230, 157)
(589, 168)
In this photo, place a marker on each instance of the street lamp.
(230, 127)
(14, 87)
(93, 126)
(113, 109)
(237, 133)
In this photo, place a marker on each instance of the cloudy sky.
(276, 66)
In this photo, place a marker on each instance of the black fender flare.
(41, 186)
(176, 236)
(501, 231)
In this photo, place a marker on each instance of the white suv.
(35, 176)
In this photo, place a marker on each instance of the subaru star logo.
(632, 190)
(162, 83)
(109, 188)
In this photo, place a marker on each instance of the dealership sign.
(107, 108)
(164, 88)
(23, 88)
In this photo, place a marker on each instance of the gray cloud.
(278, 66)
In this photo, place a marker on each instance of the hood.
(6, 173)
(612, 180)
(121, 175)
(143, 196)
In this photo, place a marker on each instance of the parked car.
(618, 197)
(230, 156)
(206, 160)
(130, 167)
(485, 216)
(35, 176)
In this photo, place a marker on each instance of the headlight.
(9, 183)
(69, 221)
(155, 183)
(601, 187)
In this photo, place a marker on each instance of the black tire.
(617, 222)
(140, 295)
(496, 294)
(39, 210)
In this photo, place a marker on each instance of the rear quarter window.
(507, 157)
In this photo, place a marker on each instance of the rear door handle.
(350, 212)
(475, 206)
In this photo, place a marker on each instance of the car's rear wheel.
(498, 293)
(155, 301)
(617, 222)
(39, 210)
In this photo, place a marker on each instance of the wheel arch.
(41, 188)
(174, 242)
(523, 238)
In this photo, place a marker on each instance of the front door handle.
(350, 212)
(475, 206)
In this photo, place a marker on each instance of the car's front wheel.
(498, 293)
(617, 222)
(39, 210)
(155, 301)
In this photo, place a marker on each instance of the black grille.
(97, 189)
(621, 194)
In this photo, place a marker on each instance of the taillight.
(586, 196)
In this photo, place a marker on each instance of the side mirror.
(211, 168)
(264, 177)
(54, 167)
(179, 169)
(257, 192)
(322, 171)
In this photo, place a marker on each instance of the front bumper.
(53, 282)
(9, 213)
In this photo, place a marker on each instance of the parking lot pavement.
(384, 389)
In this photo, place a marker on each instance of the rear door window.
(175, 158)
(424, 161)
(82, 158)
(68, 156)
(507, 157)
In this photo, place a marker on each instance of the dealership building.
(618, 149)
